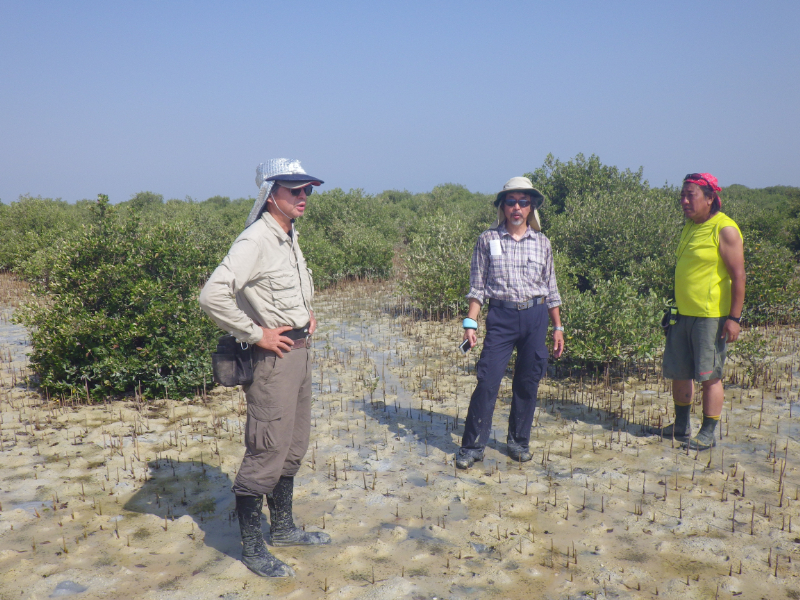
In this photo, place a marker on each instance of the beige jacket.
(264, 280)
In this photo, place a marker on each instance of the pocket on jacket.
(285, 291)
(534, 269)
(495, 271)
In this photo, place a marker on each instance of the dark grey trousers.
(506, 329)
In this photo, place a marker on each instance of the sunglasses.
(308, 189)
(524, 203)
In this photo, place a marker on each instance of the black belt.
(298, 334)
(517, 305)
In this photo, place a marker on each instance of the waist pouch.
(232, 363)
(670, 317)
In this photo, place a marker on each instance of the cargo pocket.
(540, 364)
(720, 352)
(262, 428)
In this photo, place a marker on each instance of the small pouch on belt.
(232, 363)
(670, 317)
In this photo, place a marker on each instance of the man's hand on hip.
(274, 340)
(558, 343)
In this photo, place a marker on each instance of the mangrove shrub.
(115, 307)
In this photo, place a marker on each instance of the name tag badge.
(495, 249)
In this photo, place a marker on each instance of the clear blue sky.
(186, 98)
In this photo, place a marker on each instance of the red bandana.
(706, 179)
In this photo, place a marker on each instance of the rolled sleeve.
(478, 272)
(553, 297)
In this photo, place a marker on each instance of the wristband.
(469, 323)
(735, 319)
(559, 328)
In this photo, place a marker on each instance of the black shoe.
(254, 551)
(465, 458)
(519, 454)
(282, 528)
(667, 432)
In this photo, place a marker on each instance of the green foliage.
(116, 286)
(764, 213)
(625, 234)
(581, 177)
(440, 245)
(437, 263)
(33, 223)
(348, 234)
(611, 322)
(116, 306)
(145, 201)
(772, 290)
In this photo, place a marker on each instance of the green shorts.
(695, 349)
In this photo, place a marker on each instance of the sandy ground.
(132, 500)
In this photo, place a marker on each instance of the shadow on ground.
(202, 491)
(441, 431)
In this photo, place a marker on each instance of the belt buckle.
(522, 305)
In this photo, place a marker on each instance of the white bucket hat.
(277, 169)
(520, 184)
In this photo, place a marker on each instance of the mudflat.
(131, 498)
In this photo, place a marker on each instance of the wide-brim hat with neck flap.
(276, 170)
(520, 184)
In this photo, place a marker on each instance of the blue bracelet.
(470, 323)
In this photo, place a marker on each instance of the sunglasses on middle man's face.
(524, 203)
(308, 189)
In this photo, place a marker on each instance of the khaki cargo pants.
(278, 420)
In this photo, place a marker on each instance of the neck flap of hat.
(270, 168)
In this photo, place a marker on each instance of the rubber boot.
(680, 429)
(254, 551)
(705, 437)
(282, 528)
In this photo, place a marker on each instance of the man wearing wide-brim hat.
(512, 270)
(261, 293)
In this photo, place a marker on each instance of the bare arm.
(731, 249)
(558, 336)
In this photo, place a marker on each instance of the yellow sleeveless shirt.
(702, 283)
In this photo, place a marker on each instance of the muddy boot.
(680, 429)
(466, 458)
(518, 453)
(705, 437)
(282, 528)
(254, 551)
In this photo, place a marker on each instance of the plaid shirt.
(518, 272)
